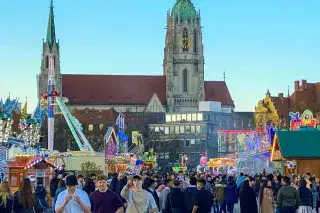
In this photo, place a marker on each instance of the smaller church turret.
(183, 62)
(50, 47)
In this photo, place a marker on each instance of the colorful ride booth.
(222, 165)
(297, 151)
(32, 167)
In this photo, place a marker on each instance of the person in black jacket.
(176, 202)
(150, 186)
(248, 201)
(306, 197)
(203, 199)
(117, 184)
(41, 193)
(189, 193)
(54, 186)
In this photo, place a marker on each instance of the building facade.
(276, 109)
(179, 89)
(192, 134)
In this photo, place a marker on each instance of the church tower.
(183, 62)
(50, 46)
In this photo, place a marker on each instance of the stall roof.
(25, 161)
(299, 144)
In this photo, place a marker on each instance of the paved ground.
(236, 208)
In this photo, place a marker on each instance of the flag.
(24, 111)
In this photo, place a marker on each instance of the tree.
(95, 137)
(89, 167)
(173, 147)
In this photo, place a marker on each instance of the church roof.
(113, 89)
(184, 9)
(129, 89)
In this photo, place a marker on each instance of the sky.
(260, 45)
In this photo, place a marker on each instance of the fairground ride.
(52, 99)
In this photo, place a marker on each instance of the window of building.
(90, 127)
(193, 142)
(156, 129)
(161, 129)
(176, 130)
(173, 118)
(14, 179)
(203, 129)
(171, 129)
(197, 129)
(166, 130)
(178, 117)
(187, 128)
(47, 62)
(200, 117)
(187, 143)
(188, 117)
(185, 80)
(194, 117)
(193, 129)
(195, 41)
(197, 142)
(182, 129)
(151, 129)
(184, 117)
(168, 118)
(54, 61)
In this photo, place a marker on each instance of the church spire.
(51, 32)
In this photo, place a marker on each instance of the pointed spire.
(268, 93)
(24, 111)
(51, 32)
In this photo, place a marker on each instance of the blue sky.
(259, 44)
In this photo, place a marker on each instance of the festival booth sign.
(297, 151)
(24, 166)
(221, 164)
(179, 169)
(304, 122)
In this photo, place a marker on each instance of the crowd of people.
(151, 192)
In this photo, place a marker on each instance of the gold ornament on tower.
(185, 43)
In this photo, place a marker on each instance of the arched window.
(185, 80)
(185, 40)
(54, 62)
(195, 41)
(47, 62)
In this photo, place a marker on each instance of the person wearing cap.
(72, 200)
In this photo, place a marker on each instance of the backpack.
(221, 192)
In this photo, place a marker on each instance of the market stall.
(24, 166)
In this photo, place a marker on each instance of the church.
(179, 89)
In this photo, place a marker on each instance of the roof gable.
(218, 91)
(299, 144)
(154, 105)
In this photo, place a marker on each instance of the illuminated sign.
(305, 120)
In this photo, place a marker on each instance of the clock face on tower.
(185, 43)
